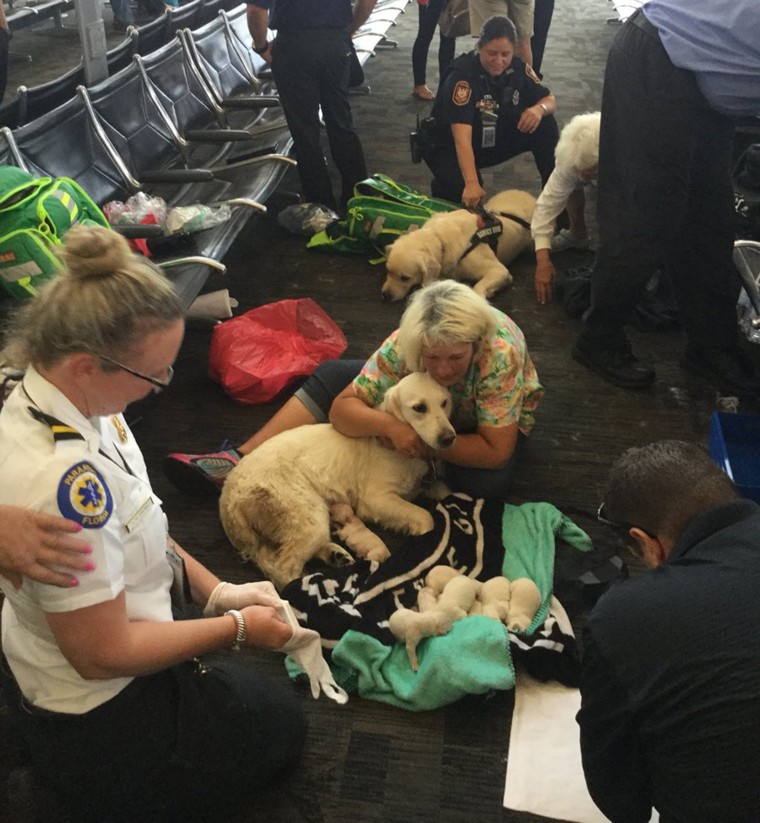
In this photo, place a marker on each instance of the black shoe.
(120, 25)
(730, 370)
(617, 366)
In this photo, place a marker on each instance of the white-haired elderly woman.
(468, 346)
(577, 160)
(115, 708)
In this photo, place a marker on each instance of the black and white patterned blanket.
(468, 537)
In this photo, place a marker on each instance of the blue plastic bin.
(735, 447)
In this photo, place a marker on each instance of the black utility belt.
(284, 34)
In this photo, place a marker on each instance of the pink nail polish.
(73, 582)
(90, 567)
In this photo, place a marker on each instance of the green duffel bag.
(35, 213)
(380, 185)
(380, 210)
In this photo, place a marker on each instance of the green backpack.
(35, 213)
(380, 210)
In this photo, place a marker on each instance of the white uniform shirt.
(551, 201)
(91, 471)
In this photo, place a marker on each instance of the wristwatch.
(262, 49)
(544, 107)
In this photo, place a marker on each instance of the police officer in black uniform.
(311, 61)
(491, 106)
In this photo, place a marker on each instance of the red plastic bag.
(255, 355)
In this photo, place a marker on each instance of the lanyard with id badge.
(489, 118)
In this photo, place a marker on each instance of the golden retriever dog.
(435, 250)
(276, 503)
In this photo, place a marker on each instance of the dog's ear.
(392, 402)
(430, 265)
(431, 262)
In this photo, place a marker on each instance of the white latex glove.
(228, 596)
(305, 648)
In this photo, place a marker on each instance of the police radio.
(414, 143)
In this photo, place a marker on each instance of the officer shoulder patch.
(533, 76)
(84, 496)
(462, 93)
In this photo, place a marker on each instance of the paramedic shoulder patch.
(533, 76)
(84, 497)
(462, 93)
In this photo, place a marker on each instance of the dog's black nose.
(384, 296)
(446, 440)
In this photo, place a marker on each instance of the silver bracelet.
(241, 634)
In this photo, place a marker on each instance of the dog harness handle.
(489, 228)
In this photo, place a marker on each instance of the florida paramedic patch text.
(84, 496)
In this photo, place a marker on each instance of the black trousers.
(311, 69)
(428, 20)
(448, 182)
(542, 19)
(183, 744)
(664, 196)
(5, 51)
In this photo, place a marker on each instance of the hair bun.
(89, 251)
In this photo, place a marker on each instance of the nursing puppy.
(276, 503)
(434, 251)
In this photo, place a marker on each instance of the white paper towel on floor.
(544, 770)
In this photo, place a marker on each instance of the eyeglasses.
(602, 518)
(624, 527)
(159, 384)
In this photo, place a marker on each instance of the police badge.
(462, 93)
(533, 76)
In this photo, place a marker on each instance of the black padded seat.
(10, 112)
(189, 106)
(237, 20)
(186, 16)
(38, 100)
(225, 73)
(120, 56)
(209, 10)
(153, 35)
(135, 124)
(62, 143)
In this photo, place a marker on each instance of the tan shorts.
(520, 12)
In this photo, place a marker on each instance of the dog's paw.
(438, 490)
(421, 522)
(338, 556)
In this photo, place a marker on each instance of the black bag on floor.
(746, 179)
(656, 311)
(573, 289)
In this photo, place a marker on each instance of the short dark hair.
(496, 27)
(661, 487)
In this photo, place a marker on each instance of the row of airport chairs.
(194, 121)
(31, 102)
(170, 126)
(30, 15)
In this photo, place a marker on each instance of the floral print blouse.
(500, 388)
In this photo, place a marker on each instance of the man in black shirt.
(670, 710)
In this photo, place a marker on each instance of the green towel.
(472, 658)
(528, 533)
